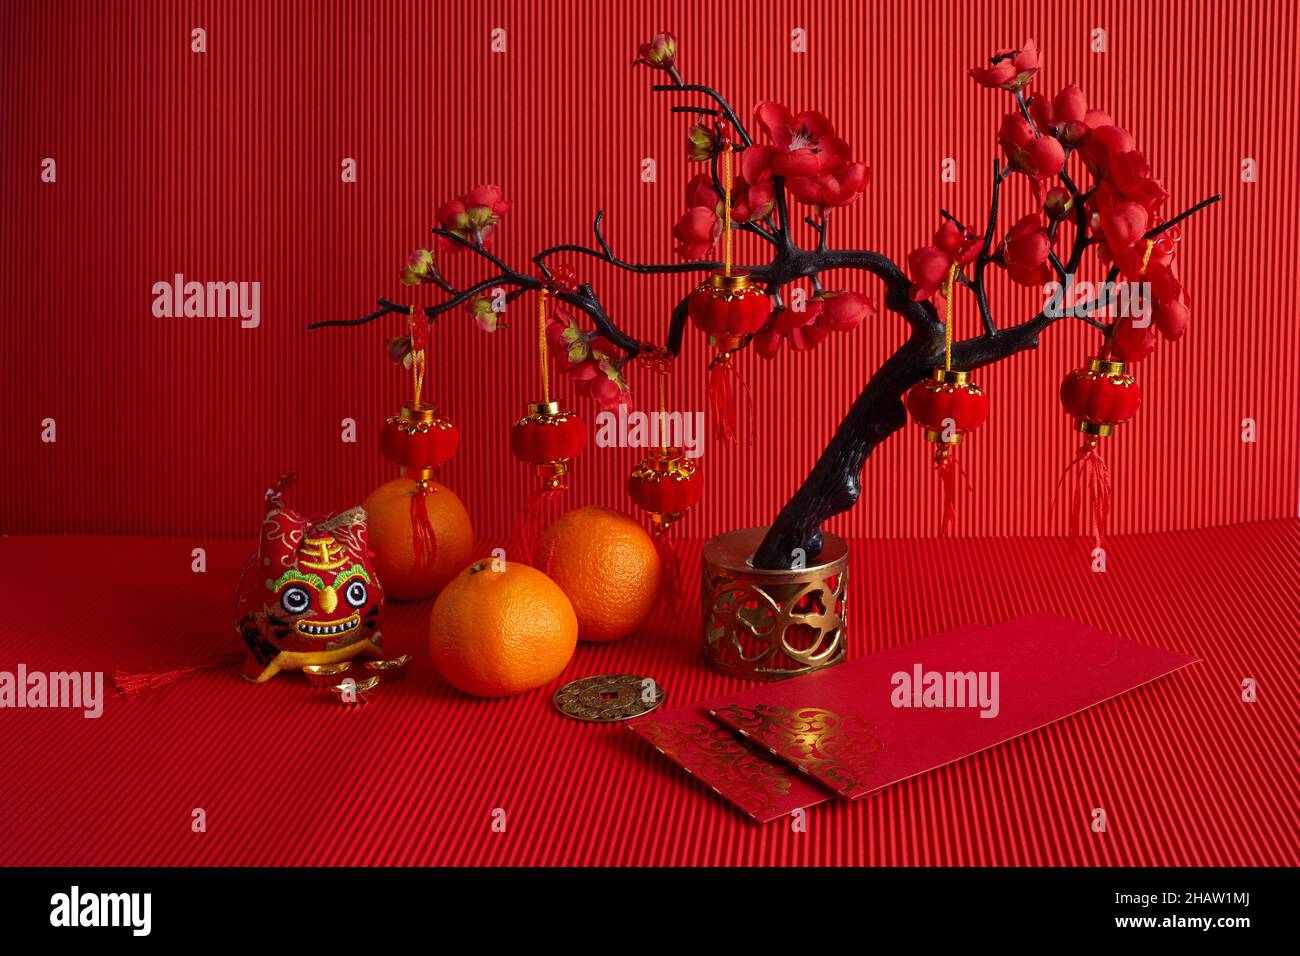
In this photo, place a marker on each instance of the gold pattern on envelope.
(738, 770)
(835, 750)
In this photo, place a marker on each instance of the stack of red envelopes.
(855, 728)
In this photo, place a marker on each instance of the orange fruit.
(392, 539)
(608, 566)
(500, 628)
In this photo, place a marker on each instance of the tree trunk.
(835, 481)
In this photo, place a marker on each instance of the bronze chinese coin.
(605, 698)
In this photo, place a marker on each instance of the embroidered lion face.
(309, 594)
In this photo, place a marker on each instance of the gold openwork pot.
(768, 625)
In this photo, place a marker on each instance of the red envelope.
(741, 771)
(861, 726)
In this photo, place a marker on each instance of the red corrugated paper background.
(225, 166)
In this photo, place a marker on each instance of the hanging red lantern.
(419, 439)
(948, 405)
(1098, 397)
(546, 438)
(665, 484)
(728, 308)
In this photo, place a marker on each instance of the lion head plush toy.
(309, 593)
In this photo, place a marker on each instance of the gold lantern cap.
(543, 409)
(664, 460)
(421, 412)
(735, 281)
(1105, 366)
(951, 376)
(668, 462)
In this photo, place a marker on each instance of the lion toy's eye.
(355, 593)
(295, 600)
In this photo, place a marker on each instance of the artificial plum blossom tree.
(1095, 201)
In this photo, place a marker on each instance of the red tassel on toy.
(135, 683)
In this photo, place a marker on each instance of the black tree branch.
(723, 106)
(985, 256)
(833, 485)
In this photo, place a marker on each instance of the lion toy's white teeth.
(328, 630)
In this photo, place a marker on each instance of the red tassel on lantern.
(729, 309)
(948, 405)
(419, 439)
(665, 484)
(546, 438)
(1099, 397)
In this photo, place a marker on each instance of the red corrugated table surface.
(1186, 772)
